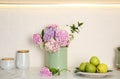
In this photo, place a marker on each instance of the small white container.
(22, 59)
(7, 63)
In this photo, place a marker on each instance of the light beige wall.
(99, 36)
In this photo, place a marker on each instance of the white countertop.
(33, 73)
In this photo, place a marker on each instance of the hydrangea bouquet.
(52, 38)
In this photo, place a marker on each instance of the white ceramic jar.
(7, 63)
(22, 59)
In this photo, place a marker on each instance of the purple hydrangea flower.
(62, 37)
(45, 72)
(49, 32)
(37, 38)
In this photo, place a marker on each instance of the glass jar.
(7, 63)
(22, 59)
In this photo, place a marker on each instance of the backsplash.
(100, 34)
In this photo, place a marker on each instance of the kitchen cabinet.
(33, 73)
(61, 1)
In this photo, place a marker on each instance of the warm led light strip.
(82, 5)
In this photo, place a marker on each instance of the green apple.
(82, 66)
(90, 68)
(94, 60)
(102, 68)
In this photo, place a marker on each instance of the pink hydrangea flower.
(52, 46)
(54, 26)
(37, 38)
(45, 72)
(62, 37)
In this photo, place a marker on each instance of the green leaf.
(72, 31)
(118, 48)
(71, 37)
(79, 24)
(53, 70)
(74, 28)
(42, 33)
(59, 72)
(76, 70)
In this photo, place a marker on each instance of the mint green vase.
(58, 59)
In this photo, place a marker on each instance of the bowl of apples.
(93, 68)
